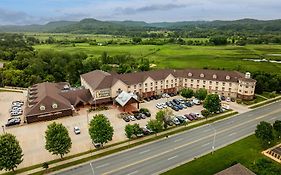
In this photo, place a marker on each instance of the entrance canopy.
(125, 98)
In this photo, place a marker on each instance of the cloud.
(149, 8)
(14, 17)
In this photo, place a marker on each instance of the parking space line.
(144, 151)
(104, 165)
(173, 157)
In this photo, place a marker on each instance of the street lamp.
(214, 139)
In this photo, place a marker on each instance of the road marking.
(92, 169)
(144, 151)
(190, 143)
(172, 157)
(133, 172)
(178, 140)
(205, 144)
(106, 164)
(232, 134)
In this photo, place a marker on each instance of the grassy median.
(246, 151)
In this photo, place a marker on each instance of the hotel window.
(222, 88)
(203, 86)
(155, 87)
(191, 81)
(240, 85)
(161, 82)
(176, 84)
(167, 81)
(246, 86)
(198, 81)
(185, 80)
(129, 91)
(217, 88)
(140, 85)
(251, 92)
(145, 89)
(185, 85)
(229, 89)
(223, 83)
(166, 86)
(135, 86)
(171, 85)
(210, 82)
(239, 90)
(156, 83)
(246, 92)
(145, 84)
(230, 84)
(172, 81)
(161, 87)
(217, 83)
(210, 87)
(204, 82)
(191, 85)
(175, 80)
(197, 86)
(135, 91)
(151, 84)
(151, 89)
(252, 86)
(129, 87)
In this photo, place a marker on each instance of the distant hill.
(93, 26)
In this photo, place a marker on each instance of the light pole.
(214, 139)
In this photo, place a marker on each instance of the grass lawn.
(246, 151)
(177, 56)
(256, 99)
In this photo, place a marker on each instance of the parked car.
(196, 101)
(137, 116)
(126, 119)
(189, 117)
(181, 119)
(146, 131)
(193, 115)
(159, 106)
(143, 116)
(180, 107)
(132, 118)
(97, 145)
(13, 121)
(222, 98)
(77, 130)
(175, 108)
(228, 99)
(198, 115)
(185, 118)
(188, 104)
(176, 101)
(176, 121)
(184, 106)
(168, 103)
(165, 95)
(147, 114)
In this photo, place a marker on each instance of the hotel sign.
(103, 93)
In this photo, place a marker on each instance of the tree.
(277, 127)
(129, 130)
(205, 113)
(100, 129)
(212, 103)
(136, 40)
(201, 94)
(10, 152)
(187, 93)
(264, 133)
(164, 116)
(155, 125)
(57, 138)
(218, 40)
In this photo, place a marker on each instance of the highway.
(159, 156)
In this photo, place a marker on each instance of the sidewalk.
(120, 145)
(265, 102)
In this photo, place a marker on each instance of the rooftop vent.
(248, 75)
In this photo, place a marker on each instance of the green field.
(246, 151)
(177, 56)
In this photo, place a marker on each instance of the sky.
(21, 12)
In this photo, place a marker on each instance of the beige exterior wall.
(87, 86)
(225, 88)
(119, 85)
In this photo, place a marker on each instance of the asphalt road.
(167, 153)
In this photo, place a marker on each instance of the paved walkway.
(115, 147)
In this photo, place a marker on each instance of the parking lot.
(31, 136)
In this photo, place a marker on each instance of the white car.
(77, 130)
(196, 101)
(132, 118)
(228, 99)
(159, 106)
(199, 115)
(186, 119)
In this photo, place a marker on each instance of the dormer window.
(54, 105)
(227, 77)
(190, 74)
(42, 108)
(214, 76)
(202, 75)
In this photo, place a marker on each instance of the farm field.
(183, 56)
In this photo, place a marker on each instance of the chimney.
(248, 75)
